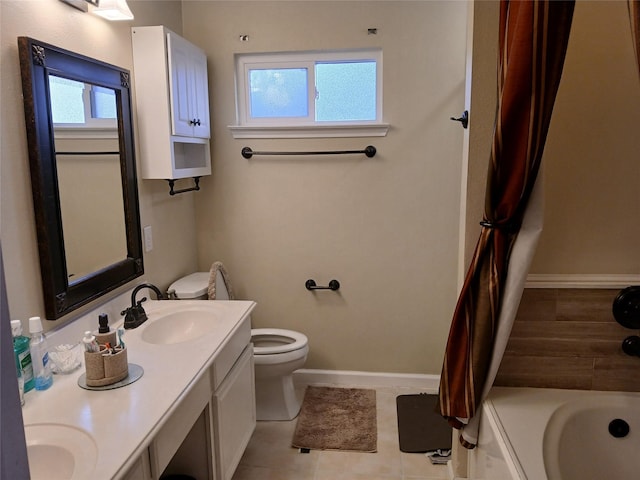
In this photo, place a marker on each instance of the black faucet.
(134, 316)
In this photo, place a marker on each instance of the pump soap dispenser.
(105, 335)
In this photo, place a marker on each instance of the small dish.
(65, 358)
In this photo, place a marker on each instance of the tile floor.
(270, 456)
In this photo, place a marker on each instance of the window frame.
(303, 127)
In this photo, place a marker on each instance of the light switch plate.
(148, 238)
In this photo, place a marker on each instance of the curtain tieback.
(509, 227)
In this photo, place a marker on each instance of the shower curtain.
(533, 40)
(634, 17)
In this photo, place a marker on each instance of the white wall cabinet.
(172, 104)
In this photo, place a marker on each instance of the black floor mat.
(420, 427)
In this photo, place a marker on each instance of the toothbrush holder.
(103, 338)
(105, 368)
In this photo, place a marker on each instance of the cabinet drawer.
(230, 352)
(175, 430)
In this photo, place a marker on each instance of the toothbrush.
(120, 334)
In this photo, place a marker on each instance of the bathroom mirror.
(83, 174)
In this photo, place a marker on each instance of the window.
(76, 104)
(307, 94)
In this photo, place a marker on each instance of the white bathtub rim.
(510, 456)
(525, 443)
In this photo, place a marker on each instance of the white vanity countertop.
(123, 421)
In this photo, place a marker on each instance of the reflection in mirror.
(85, 127)
(83, 174)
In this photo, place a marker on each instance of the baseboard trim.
(427, 383)
(581, 281)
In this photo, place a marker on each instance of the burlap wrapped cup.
(105, 368)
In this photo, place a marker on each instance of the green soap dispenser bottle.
(23, 354)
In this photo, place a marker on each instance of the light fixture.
(113, 10)
(82, 5)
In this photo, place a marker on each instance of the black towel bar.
(87, 153)
(195, 188)
(369, 151)
(311, 285)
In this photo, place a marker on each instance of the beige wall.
(592, 171)
(91, 180)
(386, 228)
(172, 218)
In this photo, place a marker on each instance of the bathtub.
(549, 434)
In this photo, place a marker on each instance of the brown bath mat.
(337, 419)
(420, 428)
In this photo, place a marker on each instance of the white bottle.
(39, 355)
(90, 343)
(21, 385)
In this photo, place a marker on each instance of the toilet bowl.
(277, 353)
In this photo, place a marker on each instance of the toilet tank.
(192, 287)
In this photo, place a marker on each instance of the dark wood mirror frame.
(37, 61)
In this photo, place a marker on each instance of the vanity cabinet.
(188, 424)
(192, 411)
(140, 470)
(210, 428)
(172, 104)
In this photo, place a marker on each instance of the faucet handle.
(143, 299)
(171, 294)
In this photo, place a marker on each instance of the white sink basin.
(60, 452)
(178, 326)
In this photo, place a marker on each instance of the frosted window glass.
(346, 91)
(278, 93)
(103, 102)
(67, 105)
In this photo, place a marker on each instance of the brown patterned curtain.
(533, 41)
(634, 16)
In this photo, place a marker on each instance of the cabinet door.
(234, 415)
(180, 79)
(200, 95)
(189, 88)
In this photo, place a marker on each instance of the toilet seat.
(285, 340)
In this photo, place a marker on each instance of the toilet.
(277, 353)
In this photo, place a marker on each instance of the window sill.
(309, 131)
(85, 132)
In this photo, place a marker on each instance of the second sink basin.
(60, 451)
(178, 326)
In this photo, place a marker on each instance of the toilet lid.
(191, 286)
(283, 340)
